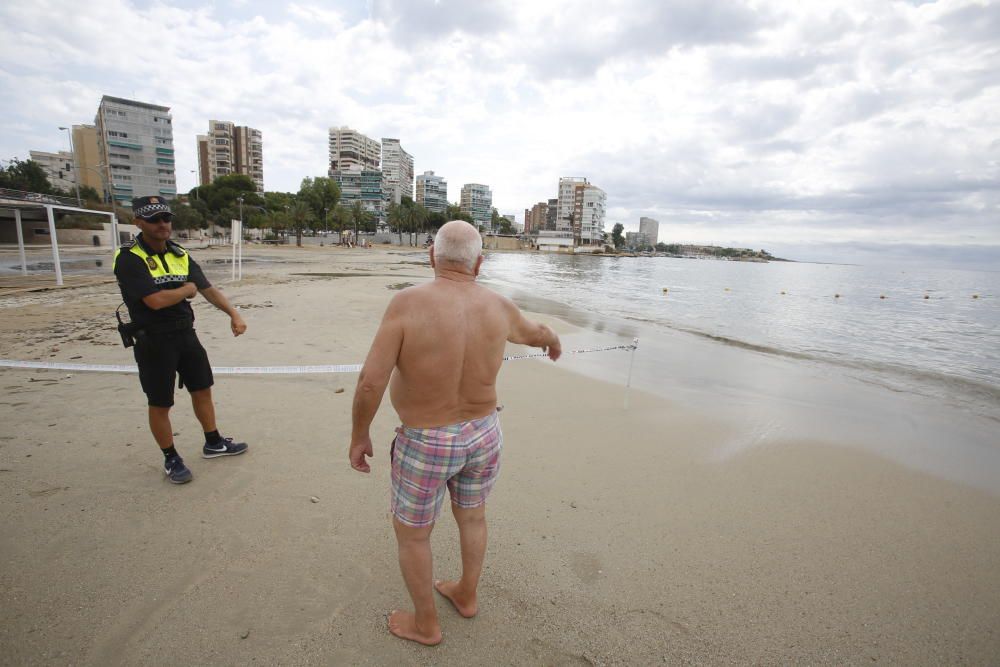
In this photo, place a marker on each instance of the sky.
(841, 131)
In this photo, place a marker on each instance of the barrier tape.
(256, 370)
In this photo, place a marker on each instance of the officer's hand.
(237, 324)
(192, 290)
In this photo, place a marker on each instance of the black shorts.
(161, 357)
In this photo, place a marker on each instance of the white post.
(20, 242)
(631, 358)
(55, 243)
(114, 231)
(232, 230)
(240, 254)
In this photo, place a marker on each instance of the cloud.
(751, 121)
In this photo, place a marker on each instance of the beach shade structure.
(18, 201)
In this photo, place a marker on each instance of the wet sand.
(617, 537)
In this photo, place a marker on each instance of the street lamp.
(195, 187)
(76, 171)
(326, 225)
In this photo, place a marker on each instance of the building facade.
(365, 186)
(88, 157)
(230, 149)
(650, 228)
(58, 167)
(477, 202)
(397, 171)
(432, 192)
(136, 140)
(534, 218)
(580, 210)
(349, 148)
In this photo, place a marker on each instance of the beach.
(618, 535)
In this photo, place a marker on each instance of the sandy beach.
(617, 536)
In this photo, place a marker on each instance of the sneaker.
(225, 447)
(176, 471)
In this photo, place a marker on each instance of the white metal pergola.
(50, 213)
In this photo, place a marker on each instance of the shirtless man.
(445, 339)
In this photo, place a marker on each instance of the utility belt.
(133, 331)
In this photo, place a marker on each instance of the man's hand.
(237, 324)
(190, 290)
(360, 448)
(554, 349)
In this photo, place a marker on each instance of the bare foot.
(404, 624)
(467, 607)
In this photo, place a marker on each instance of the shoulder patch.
(128, 244)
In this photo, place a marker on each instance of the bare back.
(454, 336)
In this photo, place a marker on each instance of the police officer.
(157, 277)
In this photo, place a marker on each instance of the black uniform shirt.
(136, 282)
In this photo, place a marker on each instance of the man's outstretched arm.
(372, 381)
(525, 332)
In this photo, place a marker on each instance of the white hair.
(457, 241)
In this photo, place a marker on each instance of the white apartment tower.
(58, 167)
(580, 210)
(432, 192)
(650, 229)
(477, 201)
(136, 140)
(349, 148)
(397, 170)
(230, 149)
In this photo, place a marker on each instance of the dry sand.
(617, 537)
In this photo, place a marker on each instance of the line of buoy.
(836, 295)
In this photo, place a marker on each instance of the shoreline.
(665, 532)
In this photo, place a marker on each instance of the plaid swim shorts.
(465, 457)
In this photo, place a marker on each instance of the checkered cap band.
(149, 210)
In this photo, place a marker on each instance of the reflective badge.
(151, 263)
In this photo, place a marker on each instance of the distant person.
(442, 344)
(157, 277)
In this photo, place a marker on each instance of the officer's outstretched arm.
(215, 297)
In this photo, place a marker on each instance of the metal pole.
(114, 233)
(20, 242)
(631, 358)
(55, 243)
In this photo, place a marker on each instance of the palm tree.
(301, 215)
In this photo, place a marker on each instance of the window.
(164, 171)
(121, 177)
(114, 133)
(122, 167)
(163, 141)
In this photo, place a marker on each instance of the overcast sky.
(822, 130)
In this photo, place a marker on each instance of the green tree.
(321, 194)
(221, 197)
(616, 235)
(25, 175)
(187, 217)
(454, 212)
(300, 217)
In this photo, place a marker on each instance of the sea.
(901, 360)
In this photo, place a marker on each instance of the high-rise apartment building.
(136, 140)
(551, 214)
(650, 228)
(230, 149)
(534, 217)
(58, 167)
(349, 148)
(477, 201)
(580, 210)
(432, 192)
(362, 185)
(397, 170)
(88, 157)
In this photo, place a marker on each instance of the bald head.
(458, 242)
